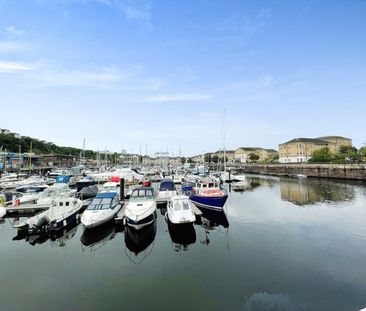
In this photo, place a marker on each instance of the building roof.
(271, 150)
(250, 148)
(316, 141)
(330, 137)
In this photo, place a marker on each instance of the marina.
(280, 229)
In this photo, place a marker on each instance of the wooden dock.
(120, 215)
(25, 209)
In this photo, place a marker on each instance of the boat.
(84, 182)
(88, 192)
(62, 212)
(146, 182)
(179, 210)
(207, 193)
(166, 191)
(141, 209)
(54, 192)
(103, 208)
(2, 212)
(301, 176)
(33, 188)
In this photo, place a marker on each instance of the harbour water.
(282, 244)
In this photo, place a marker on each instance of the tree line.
(12, 142)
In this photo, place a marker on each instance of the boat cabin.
(142, 193)
(103, 201)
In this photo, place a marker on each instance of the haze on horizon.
(131, 73)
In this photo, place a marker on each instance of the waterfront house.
(301, 149)
(242, 154)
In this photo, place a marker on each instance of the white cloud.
(10, 47)
(178, 98)
(97, 78)
(14, 67)
(139, 10)
(14, 31)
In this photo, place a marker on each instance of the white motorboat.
(179, 210)
(166, 191)
(2, 211)
(141, 209)
(301, 176)
(103, 208)
(62, 212)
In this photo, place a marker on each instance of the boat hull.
(215, 203)
(140, 223)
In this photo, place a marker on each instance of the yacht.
(103, 208)
(141, 209)
(62, 212)
(179, 210)
(166, 191)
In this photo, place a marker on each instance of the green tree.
(362, 153)
(349, 154)
(254, 157)
(215, 159)
(322, 155)
(273, 157)
(182, 160)
(208, 158)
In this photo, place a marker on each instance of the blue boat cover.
(106, 195)
(62, 179)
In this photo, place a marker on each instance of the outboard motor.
(42, 223)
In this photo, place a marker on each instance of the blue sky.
(125, 73)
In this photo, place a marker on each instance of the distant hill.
(11, 141)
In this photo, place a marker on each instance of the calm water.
(283, 245)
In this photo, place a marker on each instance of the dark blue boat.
(208, 194)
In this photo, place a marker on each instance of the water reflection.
(270, 302)
(57, 238)
(95, 238)
(139, 243)
(253, 182)
(310, 191)
(182, 236)
(211, 220)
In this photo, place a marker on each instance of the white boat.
(2, 211)
(166, 191)
(179, 210)
(301, 176)
(62, 212)
(103, 208)
(178, 178)
(141, 209)
(54, 192)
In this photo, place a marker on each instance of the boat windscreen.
(99, 204)
(185, 205)
(167, 186)
(142, 193)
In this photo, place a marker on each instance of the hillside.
(11, 141)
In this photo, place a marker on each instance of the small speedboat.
(141, 209)
(166, 191)
(103, 208)
(179, 210)
(301, 176)
(62, 212)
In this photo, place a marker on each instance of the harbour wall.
(340, 171)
